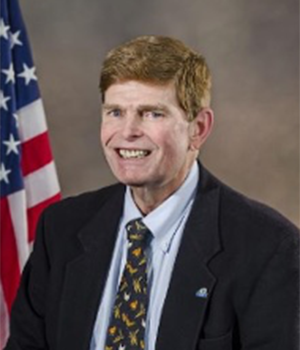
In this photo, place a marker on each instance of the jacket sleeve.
(27, 325)
(270, 320)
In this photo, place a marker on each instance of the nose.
(132, 127)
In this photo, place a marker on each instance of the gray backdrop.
(251, 47)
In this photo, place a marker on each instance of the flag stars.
(3, 30)
(10, 74)
(4, 100)
(12, 145)
(14, 39)
(28, 73)
(4, 174)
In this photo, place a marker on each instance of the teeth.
(132, 153)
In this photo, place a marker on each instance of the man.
(203, 267)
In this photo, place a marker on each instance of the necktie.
(126, 330)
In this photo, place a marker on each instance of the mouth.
(132, 153)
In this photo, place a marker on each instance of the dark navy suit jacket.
(241, 254)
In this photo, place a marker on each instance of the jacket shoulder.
(76, 210)
(248, 211)
(247, 217)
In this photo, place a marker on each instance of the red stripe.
(36, 153)
(9, 268)
(34, 213)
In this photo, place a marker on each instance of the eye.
(157, 114)
(114, 112)
(153, 114)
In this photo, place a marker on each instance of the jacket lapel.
(86, 275)
(184, 312)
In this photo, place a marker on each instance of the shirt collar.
(164, 220)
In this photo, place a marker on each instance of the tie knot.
(137, 231)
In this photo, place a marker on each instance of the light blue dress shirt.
(166, 224)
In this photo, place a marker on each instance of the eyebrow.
(146, 107)
(150, 107)
(110, 106)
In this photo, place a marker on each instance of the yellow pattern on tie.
(126, 330)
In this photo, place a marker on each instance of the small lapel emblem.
(202, 293)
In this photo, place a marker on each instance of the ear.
(201, 128)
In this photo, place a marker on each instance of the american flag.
(28, 177)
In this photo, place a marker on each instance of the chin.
(132, 182)
(130, 178)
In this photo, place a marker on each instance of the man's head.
(155, 115)
(160, 60)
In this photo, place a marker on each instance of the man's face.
(146, 136)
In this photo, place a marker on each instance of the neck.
(149, 198)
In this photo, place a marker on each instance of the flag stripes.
(32, 120)
(10, 270)
(40, 146)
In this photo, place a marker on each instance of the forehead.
(135, 93)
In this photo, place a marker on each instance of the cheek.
(174, 144)
(179, 138)
(106, 133)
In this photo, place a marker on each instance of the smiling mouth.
(133, 153)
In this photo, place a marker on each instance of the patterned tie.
(126, 330)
